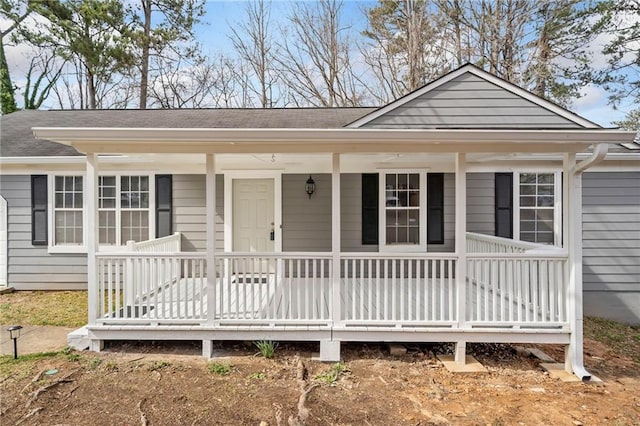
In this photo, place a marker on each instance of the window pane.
(144, 183)
(414, 181)
(78, 183)
(59, 183)
(403, 181)
(403, 218)
(124, 182)
(545, 178)
(545, 201)
(78, 201)
(527, 178)
(414, 198)
(68, 183)
(414, 235)
(527, 201)
(134, 226)
(527, 190)
(144, 200)
(545, 189)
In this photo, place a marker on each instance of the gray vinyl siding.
(32, 267)
(189, 211)
(469, 101)
(611, 245)
(481, 203)
(449, 217)
(306, 222)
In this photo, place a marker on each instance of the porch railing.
(292, 288)
(151, 287)
(398, 290)
(516, 289)
(169, 244)
(481, 243)
(521, 289)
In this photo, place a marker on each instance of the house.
(467, 211)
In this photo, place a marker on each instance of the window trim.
(383, 247)
(557, 204)
(52, 248)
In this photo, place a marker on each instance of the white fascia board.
(74, 159)
(556, 109)
(346, 136)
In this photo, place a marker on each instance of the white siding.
(481, 203)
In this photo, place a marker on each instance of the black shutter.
(39, 210)
(435, 208)
(164, 205)
(504, 205)
(369, 208)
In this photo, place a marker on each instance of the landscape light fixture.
(310, 186)
(14, 333)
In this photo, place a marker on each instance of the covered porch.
(485, 289)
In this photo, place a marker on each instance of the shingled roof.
(16, 137)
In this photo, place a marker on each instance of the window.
(537, 207)
(123, 209)
(402, 209)
(68, 211)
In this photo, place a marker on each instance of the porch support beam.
(461, 250)
(210, 198)
(335, 239)
(92, 236)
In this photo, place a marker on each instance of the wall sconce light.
(14, 333)
(310, 186)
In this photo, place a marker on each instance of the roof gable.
(472, 98)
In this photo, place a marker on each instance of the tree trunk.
(144, 66)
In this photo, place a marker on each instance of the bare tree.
(253, 42)
(406, 45)
(315, 58)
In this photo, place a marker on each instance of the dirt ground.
(160, 384)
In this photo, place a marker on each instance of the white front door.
(253, 215)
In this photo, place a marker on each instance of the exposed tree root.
(143, 416)
(305, 389)
(29, 415)
(36, 378)
(35, 394)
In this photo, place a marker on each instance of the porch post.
(91, 237)
(572, 242)
(330, 349)
(210, 189)
(461, 251)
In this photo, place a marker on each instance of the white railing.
(151, 287)
(518, 289)
(168, 244)
(269, 289)
(168, 272)
(398, 290)
(480, 243)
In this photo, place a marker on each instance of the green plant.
(94, 363)
(257, 376)
(334, 373)
(111, 365)
(267, 348)
(219, 368)
(158, 365)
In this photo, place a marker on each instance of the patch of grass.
(59, 308)
(257, 376)
(111, 365)
(267, 348)
(620, 338)
(334, 373)
(22, 366)
(220, 368)
(94, 363)
(158, 365)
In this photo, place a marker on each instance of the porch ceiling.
(344, 140)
